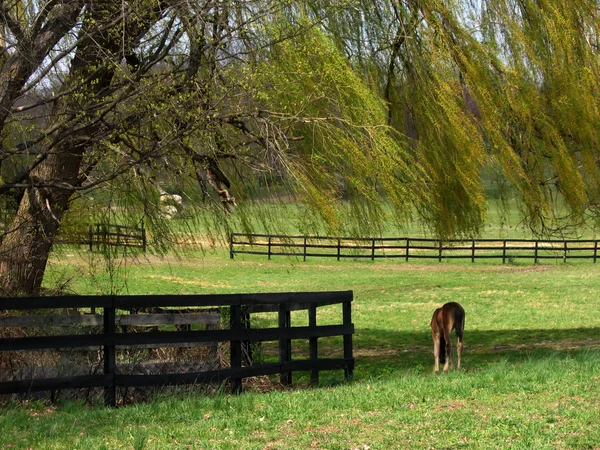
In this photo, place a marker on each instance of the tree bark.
(26, 246)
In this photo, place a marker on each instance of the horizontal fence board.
(146, 301)
(121, 320)
(247, 334)
(219, 376)
(49, 384)
(67, 302)
(295, 306)
(168, 301)
(172, 337)
(54, 342)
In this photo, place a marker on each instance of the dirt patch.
(189, 282)
(451, 407)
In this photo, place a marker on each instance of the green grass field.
(530, 378)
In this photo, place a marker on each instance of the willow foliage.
(471, 84)
(344, 150)
(532, 71)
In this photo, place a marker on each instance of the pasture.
(530, 377)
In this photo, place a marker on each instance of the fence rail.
(411, 248)
(113, 335)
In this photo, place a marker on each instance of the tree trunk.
(26, 246)
(25, 249)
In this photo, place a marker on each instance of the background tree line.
(106, 102)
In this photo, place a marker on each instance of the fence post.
(91, 237)
(269, 249)
(440, 252)
(347, 320)
(407, 247)
(235, 349)
(565, 253)
(230, 245)
(373, 250)
(313, 344)
(339, 248)
(285, 344)
(595, 250)
(504, 251)
(110, 355)
(144, 238)
(473, 251)
(535, 254)
(304, 249)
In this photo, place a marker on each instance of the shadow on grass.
(379, 351)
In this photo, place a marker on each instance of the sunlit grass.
(531, 362)
(530, 377)
(524, 404)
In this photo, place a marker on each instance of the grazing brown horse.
(449, 317)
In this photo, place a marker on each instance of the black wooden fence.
(104, 235)
(114, 336)
(411, 248)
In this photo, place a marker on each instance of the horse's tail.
(442, 349)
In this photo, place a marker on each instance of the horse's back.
(452, 314)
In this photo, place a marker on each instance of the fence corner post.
(313, 344)
(347, 321)
(235, 352)
(285, 344)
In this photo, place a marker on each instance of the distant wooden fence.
(411, 248)
(114, 335)
(100, 235)
(105, 235)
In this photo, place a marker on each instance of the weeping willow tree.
(513, 84)
(108, 107)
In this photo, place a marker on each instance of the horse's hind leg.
(448, 350)
(436, 351)
(459, 346)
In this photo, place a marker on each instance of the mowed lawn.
(530, 379)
